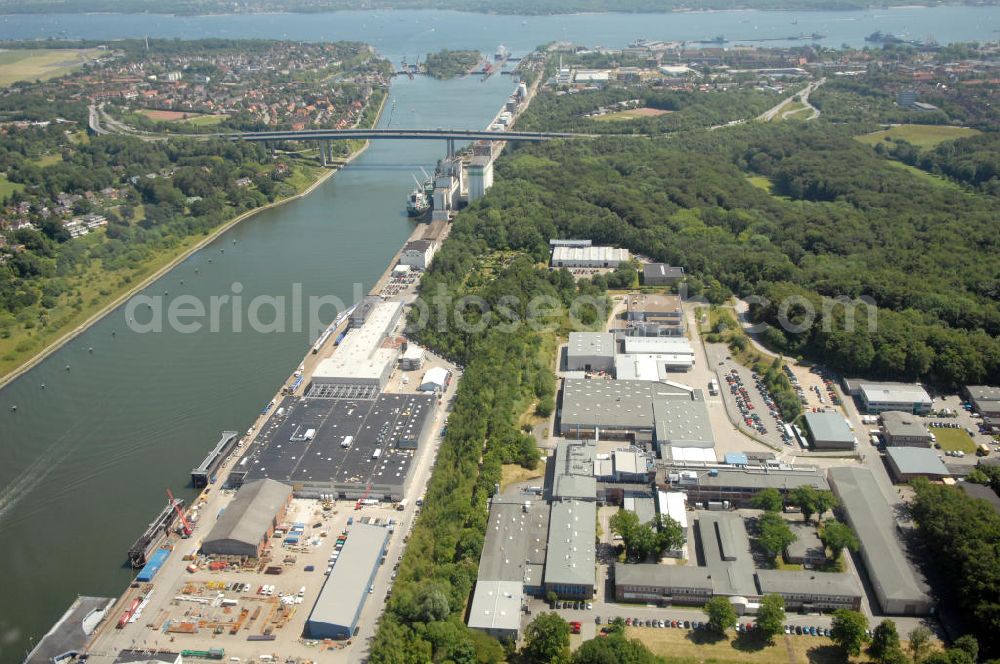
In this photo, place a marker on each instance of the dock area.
(69, 636)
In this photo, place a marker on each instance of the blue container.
(156, 561)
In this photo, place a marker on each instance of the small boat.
(417, 203)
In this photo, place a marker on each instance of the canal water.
(85, 462)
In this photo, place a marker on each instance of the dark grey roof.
(726, 545)
(570, 556)
(573, 470)
(662, 271)
(807, 583)
(251, 513)
(663, 576)
(917, 461)
(898, 423)
(612, 403)
(981, 492)
(869, 514)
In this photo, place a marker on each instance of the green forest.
(449, 64)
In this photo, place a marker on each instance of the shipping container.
(156, 561)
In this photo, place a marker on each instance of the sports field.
(42, 63)
(924, 136)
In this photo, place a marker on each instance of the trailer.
(156, 561)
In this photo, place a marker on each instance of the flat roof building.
(418, 254)
(590, 257)
(829, 431)
(682, 420)
(654, 315)
(249, 520)
(361, 359)
(570, 557)
(496, 609)
(631, 465)
(659, 274)
(590, 351)
(737, 485)
(807, 549)
(981, 492)
(899, 588)
(673, 504)
(985, 399)
(573, 471)
(808, 590)
(904, 430)
(435, 380)
(340, 446)
(906, 463)
(651, 367)
(658, 346)
(339, 604)
(907, 397)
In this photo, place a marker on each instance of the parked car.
(798, 630)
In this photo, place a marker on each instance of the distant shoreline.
(64, 10)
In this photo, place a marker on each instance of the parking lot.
(747, 400)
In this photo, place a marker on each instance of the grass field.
(7, 187)
(42, 63)
(194, 119)
(205, 120)
(760, 182)
(631, 114)
(924, 136)
(954, 439)
(791, 110)
(47, 160)
(511, 473)
(680, 646)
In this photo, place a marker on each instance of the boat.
(417, 203)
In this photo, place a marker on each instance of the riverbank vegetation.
(84, 219)
(449, 64)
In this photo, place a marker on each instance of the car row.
(797, 630)
(577, 605)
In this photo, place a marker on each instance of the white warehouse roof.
(435, 376)
(589, 254)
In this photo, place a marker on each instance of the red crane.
(180, 513)
(368, 490)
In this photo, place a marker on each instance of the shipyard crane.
(186, 532)
(368, 490)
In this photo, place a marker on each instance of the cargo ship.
(148, 542)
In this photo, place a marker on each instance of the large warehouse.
(339, 604)
(591, 257)
(880, 397)
(570, 556)
(340, 446)
(249, 520)
(362, 358)
(898, 585)
(907, 463)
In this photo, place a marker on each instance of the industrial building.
(654, 315)
(658, 274)
(511, 565)
(363, 359)
(904, 430)
(981, 492)
(418, 254)
(728, 571)
(624, 410)
(480, 174)
(631, 466)
(496, 609)
(249, 520)
(829, 431)
(590, 351)
(343, 447)
(588, 257)
(808, 548)
(736, 485)
(572, 470)
(339, 604)
(985, 399)
(681, 420)
(906, 463)
(806, 590)
(412, 357)
(658, 346)
(880, 397)
(898, 586)
(205, 473)
(570, 554)
(651, 367)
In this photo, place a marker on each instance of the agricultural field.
(631, 114)
(195, 119)
(954, 439)
(42, 63)
(205, 120)
(924, 136)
